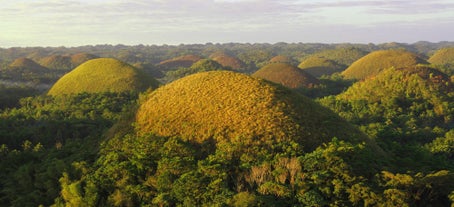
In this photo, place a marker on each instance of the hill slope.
(228, 61)
(26, 63)
(373, 63)
(102, 75)
(286, 75)
(318, 66)
(181, 61)
(342, 56)
(444, 58)
(232, 107)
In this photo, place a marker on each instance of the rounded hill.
(65, 62)
(228, 61)
(343, 56)
(444, 58)
(231, 107)
(59, 62)
(375, 62)
(286, 75)
(318, 66)
(280, 59)
(181, 61)
(80, 58)
(25, 63)
(103, 75)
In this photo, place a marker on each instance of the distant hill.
(27, 64)
(375, 62)
(202, 65)
(65, 62)
(80, 58)
(103, 75)
(444, 58)
(342, 56)
(280, 59)
(181, 61)
(403, 104)
(228, 61)
(318, 66)
(286, 75)
(233, 107)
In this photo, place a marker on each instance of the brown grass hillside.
(280, 59)
(286, 75)
(232, 107)
(25, 63)
(343, 56)
(228, 61)
(375, 62)
(65, 62)
(181, 61)
(444, 58)
(103, 75)
(318, 66)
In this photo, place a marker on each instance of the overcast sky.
(90, 22)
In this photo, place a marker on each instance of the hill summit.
(26, 63)
(103, 75)
(286, 75)
(375, 62)
(231, 107)
(318, 66)
(228, 61)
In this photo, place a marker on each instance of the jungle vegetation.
(380, 133)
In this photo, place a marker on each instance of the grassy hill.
(411, 104)
(280, 59)
(202, 65)
(375, 62)
(444, 58)
(181, 61)
(286, 75)
(103, 75)
(27, 64)
(228, 61)
(343, 56)
(232, 107)
(65, 62)
(318, 66)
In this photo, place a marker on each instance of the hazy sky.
(85, 22)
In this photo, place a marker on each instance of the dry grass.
(443, 56)
(228, 61)
(232, 107)
(181, 61)
(375, 62)
(103, 75)
(319, 66)
(286, 75)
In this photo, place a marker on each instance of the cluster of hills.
(228, 125)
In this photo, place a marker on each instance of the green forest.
(284, 124)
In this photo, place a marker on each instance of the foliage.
(53, 120)
(375, 62)
(103, 75)
(286, 75)
(403, 109)
(10, 96)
